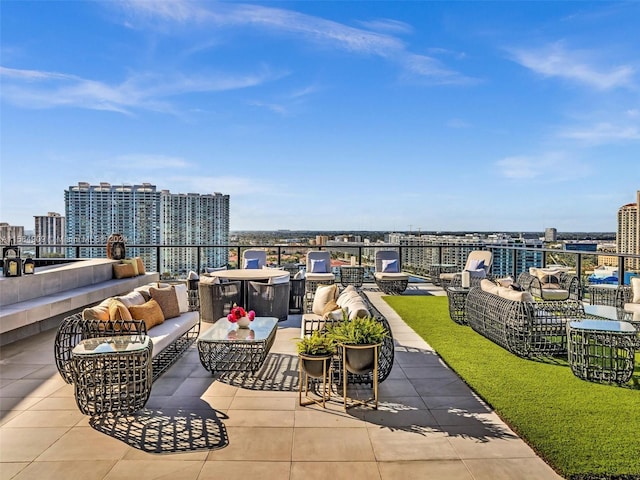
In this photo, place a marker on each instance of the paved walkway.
(429, 425)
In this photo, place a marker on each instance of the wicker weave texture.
(235, 356)
(115, 382)
(217, 299)
(457, 297)
(392, 287)
(268, 300)
(351, 275)
(525, 329)
(604, 357)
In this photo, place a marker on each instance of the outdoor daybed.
(513, 320)
(168, 314)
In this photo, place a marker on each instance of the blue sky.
(486, 116)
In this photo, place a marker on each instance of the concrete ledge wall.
(22, 319)
(51, 280)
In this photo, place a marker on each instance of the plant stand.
(346, 349)
(322, 370)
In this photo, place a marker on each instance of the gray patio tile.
(32, 388)
(15, 371)
(437, 371)
(487, 441)
(45, 418)
(95, 470)
(510, 469)
(464, 418)
(400, 403)
(264, 470)
(466, 402)
(156, 468)
(425, 470)
(420, 443)
(333, 416)
(259, 418)
(441, 387)
(10, 470)
(83, 443)
(396, 387)
(263, 403)
(334, 470)
(256, 443)
(413, 420)
(26, 444)
(345, 444)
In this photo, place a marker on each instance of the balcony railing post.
(158, 260)
(620, 270)
(279, 255)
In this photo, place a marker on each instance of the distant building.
(194, 219)
(11, 233)
(456, 249)
(50, 230)
(321, 239)
(628, 233)
(145, 216)
(550, 235)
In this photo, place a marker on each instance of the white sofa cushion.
(391, 276)
(164, 334)
(635, 289)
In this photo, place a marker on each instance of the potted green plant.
(315, 352)
(359, 337)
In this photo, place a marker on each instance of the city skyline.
(361, 116)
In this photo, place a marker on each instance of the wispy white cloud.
(550, 167)
(274, 107)
(40, 89)
(387, 25)
(362, 41)
(602, 133)
(582, 66)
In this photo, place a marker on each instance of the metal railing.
(415, 259)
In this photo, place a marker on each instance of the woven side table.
(112, 374)
(351, 275)
(457, 304)
(601, 350)
(603, 294)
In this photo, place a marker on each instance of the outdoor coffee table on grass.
(227, 348)
(601, 350)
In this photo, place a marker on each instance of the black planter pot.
(315, 365)
(360, 359)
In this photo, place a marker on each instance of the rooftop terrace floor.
(429, 424)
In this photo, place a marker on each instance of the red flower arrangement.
(237, 313)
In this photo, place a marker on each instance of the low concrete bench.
(31, 304)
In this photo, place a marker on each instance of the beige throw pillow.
(324, 293)
(635, 289)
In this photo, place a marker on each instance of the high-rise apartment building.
(628, 233)
(194, 219)
(50, 230)
(94, 212)
(148, 217)
(11, 233)
(550, 234)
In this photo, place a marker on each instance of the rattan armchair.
(387, 275)
(478, 264)
(551, 285)
(217, 299)
(269, 299)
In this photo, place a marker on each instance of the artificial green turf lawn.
(582, 429)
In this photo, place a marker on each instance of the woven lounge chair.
(478, 264)
(387, 275)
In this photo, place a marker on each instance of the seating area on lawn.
(435, 414)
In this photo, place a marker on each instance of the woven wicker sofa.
(360, 307)
(170, 339)
(551, 284)
(519, 324)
